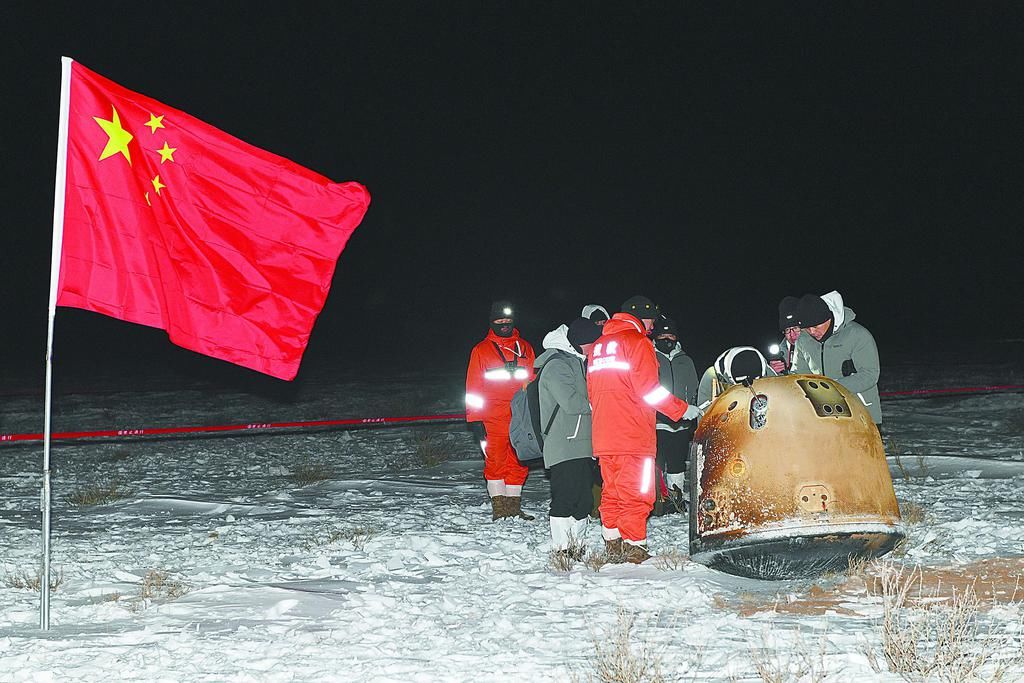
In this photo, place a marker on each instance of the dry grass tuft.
(98, 495)
(865, 567)
(23, 580)
(893, 448)
(935, 637)
(617, 659)
(565, 560)
(912, 513)
(304, 475)
(671, 560)
(432, 449)
(597, 559)
(159, 586)
(357, 536)
(794, 662)
(561, 560)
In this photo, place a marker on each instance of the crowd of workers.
(621, 392)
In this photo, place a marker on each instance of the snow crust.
(391, 570)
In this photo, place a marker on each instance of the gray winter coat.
(563, 383)
(848, 356)
(677, 374)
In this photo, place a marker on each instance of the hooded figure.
(835, 346)
(735, 365)
(566, 421)
(498, 366)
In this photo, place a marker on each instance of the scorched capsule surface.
(788, 479)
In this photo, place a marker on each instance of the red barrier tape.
(157, 431)
(384, 421)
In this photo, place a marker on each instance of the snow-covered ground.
(213, 562)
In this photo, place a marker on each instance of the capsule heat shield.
(789, 479)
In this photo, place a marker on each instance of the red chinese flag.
(171, 223)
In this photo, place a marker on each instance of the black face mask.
(503, 329)
(665, 345)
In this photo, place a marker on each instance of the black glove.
(478, 431)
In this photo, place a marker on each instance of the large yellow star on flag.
(157, 185)
(155, 122)
(167, 153)
(117, 137)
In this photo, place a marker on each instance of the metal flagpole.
(58, 236)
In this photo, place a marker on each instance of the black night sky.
(714, 157)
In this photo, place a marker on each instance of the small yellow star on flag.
(155, 122)
(167, 153)
(157, 185)
(148, 203)
(117, 137)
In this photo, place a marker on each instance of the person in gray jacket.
(835, 346)
(676, 373)
(565, 414)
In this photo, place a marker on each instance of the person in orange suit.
(499, 365)
(625, 395)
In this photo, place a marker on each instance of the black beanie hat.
(787, 313)
(502, 309)
(641, 307)
(583, 331)
(665, 325)
(812, 310)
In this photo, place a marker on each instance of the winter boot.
(515, 508)
(637, 554)
(613, 549)
(561, 532)
(578, 538)
(499, 508)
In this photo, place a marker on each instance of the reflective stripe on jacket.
(625, 394)
(495, 374)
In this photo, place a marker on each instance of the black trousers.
(673, 450)
(572, 492)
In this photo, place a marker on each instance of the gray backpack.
(525, 431)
